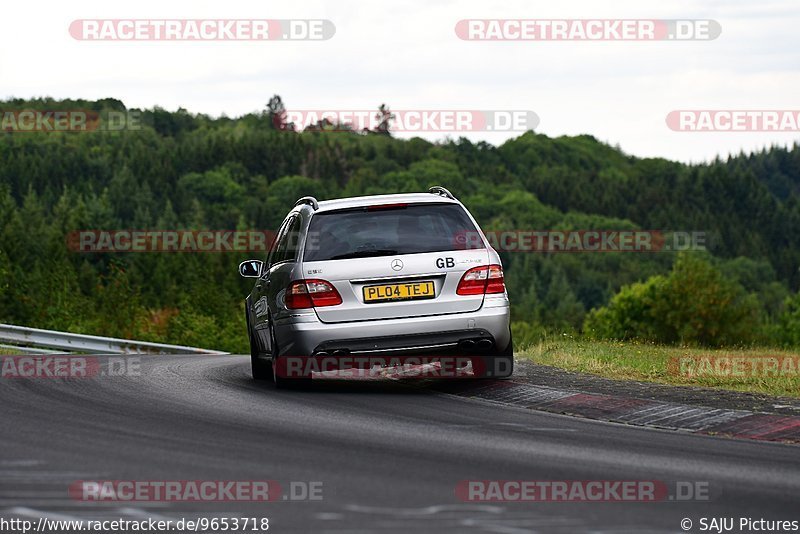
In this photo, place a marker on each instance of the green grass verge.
(773, 372)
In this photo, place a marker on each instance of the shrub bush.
(694, 304)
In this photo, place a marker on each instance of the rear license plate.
(404, 291)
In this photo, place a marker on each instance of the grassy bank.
(773, 372)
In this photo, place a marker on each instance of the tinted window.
(286, 244)
(276, 240)
(292, 240)
(379, 231)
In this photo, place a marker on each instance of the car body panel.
(351, 276)
(301, 332)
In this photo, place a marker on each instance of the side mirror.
(250, 268)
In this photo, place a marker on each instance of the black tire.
(501, 364)
(261, 370)
(282, 382)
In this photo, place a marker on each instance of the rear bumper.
(475, 340)
(306, 335)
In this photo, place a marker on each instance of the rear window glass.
(390, 231)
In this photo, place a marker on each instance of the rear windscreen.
(389, 231)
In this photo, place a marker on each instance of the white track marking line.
(30, 512)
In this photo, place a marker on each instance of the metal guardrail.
(16, 349)
(22, 338)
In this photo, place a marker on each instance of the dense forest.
(178, 170)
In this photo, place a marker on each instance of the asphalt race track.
(388, 456)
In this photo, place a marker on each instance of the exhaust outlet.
(484, 344)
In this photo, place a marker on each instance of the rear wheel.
(502, 363)
(282, 382)
(261, 369)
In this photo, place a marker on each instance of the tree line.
(180, 170)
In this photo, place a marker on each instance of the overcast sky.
(407, 55)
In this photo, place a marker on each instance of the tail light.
(311, 294)
(482, 280)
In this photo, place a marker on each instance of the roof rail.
(311, 201)
(441, 191)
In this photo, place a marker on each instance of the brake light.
(378, 207)
(482, 280)
(311, 294)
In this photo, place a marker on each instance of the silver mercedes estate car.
(387, 276)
